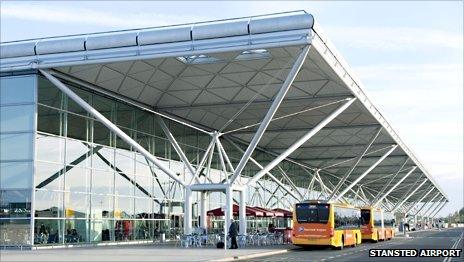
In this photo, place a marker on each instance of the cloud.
(385, 38)
(79, 15)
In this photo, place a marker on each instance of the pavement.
(433, 239)
(437, 239)
(153, 252)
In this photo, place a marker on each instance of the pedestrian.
(233, 232)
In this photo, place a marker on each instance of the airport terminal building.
(125, 136)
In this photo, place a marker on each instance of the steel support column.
(395, 186)
(187, 211)
(356, 162)
(270, 113)
(228, 213)
(410, 195)
(242, 213)
(110, 125)
(302, 140)
(365, 173)
(203, 207)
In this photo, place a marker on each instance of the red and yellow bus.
(317, 223)
(376, 225)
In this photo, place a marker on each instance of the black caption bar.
(415, 252)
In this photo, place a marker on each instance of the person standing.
(233, 232)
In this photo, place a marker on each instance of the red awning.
(249, 211)
(286, 213)
(269, 213)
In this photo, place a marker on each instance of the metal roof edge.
(325, 47)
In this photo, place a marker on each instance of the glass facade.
(17, 130)
(87, 185)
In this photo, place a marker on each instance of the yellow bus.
(317, 223)
(376, 225)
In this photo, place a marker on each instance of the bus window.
(312, 213)
(347, 218)
(365, 217)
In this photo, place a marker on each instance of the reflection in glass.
(102, 182)
(50, 120)
(102, 206)
(15, 203)
(17, 89)
(15, 175)
(77, 153)
(124, 230)
(77, 127)
(48, 231)
(48, 203)
(123, 207)
(16, 146)
(15, 232)
(50, 148)
(49, 176)
(76, 231)
(76, 205)
(77, 179)
(17, 118)
(49, 94)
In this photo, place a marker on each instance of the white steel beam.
(391, 180)
(196, 176)
(442, 206)
(176, 146)
(270, 113)
(410, 195)
(110, 125)
(365, 173)
(423, 197)
(356, 162)
(268, 173)
(435, 205)
(302, 140)
(425, 204)
(395, 186)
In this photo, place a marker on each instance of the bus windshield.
(312, 213)
(365, 217)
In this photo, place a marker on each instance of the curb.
(236, 258)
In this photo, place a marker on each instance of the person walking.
(233, 232)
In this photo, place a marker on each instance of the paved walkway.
(140, 253)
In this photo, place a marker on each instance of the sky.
(408, 55)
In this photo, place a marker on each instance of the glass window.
(15, 203)
(15, 232)
(144, 187)
(16, 146)
(50, 120)
(48, 231)
(73, 106)
(77, 179)
(142, 229)
(123, 207)
(49, 94)
(101, 134)
(365, 217)
(77, 127)
(48, 203)
(124, 115)
(19, 89)
(123, 184)
(312, 213)
(103, 158)
(143, 208)
(76, 205)
(102, 206)
(124, 230)
(76, 231)
(49, 176)
(77, 153)
(50, 148)
(102, 181)
(15, 175)
(17, 118)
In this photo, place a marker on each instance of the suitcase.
(220, 245)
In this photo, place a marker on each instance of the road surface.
(434, 239)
